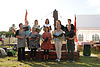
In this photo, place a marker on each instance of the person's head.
(36, 22)
(69, 21)
(21, 26)
(46, 29)
(47, 21)
(26, 22)
(58, 27)
(33, 29)
(69, 27)
(3, 33)
(58, 22)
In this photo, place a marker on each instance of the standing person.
(20, 34)
(70, 35)
(3, 38)
(59, 23)
(27, 29)
(47, 25)
(46, 45)
(34, 42)
(69, 23)
(38, 29)
(58, 42)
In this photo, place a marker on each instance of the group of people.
(33, 39)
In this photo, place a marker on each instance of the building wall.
(87, 34)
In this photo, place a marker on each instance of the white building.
(88, 27)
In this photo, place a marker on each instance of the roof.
(92, 21)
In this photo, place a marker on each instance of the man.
(3, 38)
(70, 36)
(69, 23)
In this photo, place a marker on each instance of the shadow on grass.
(84, 61)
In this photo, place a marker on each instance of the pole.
(9, 37)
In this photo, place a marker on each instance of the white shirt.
(3, 37)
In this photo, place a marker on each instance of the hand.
(70, 38)
(49, 38)
(59, 37)
(26, 36)
(67, 37)
(22, 37)
(38, 37)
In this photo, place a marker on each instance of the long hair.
(45, 29)
(46, 21)
(36, 21)
(57, 22)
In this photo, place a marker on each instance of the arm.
(50, 37)
(19, 37)
(72, 38)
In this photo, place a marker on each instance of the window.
(80, 37)
(95, 37)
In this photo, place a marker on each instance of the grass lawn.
(84, 61)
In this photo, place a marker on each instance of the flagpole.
(76, 41)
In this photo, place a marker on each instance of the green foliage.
(6, 33)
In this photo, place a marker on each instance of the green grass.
(84, 61)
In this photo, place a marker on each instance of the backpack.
(11, 53)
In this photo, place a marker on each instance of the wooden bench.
(97, 47)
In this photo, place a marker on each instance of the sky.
(13, 11)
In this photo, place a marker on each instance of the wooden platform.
(52, 55)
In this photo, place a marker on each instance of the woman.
(69, 24)
(58, 42)
(46, 45)
(47, 25)
(59, 22)
(20, 34)
(34, 42)
(27, 29)
(38, 29)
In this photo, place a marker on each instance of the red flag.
(75, 29)
(26, 15)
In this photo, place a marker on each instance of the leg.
(2, 42)
(23, 53)
(56, 46)
(68, 52)
(27, 42)
(31, 53)
(44, 53)
(35, 52)
(72, 52)
(59, 51)
(19, 54)
(47, 53)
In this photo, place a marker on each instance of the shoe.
(73, 61)
(67, 60)
(31, 59)
(58, 60)
(19, 60)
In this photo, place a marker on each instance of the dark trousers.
(27, 42)
(21, 53)
(32, 52)
(70, 47)
(46, 51)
